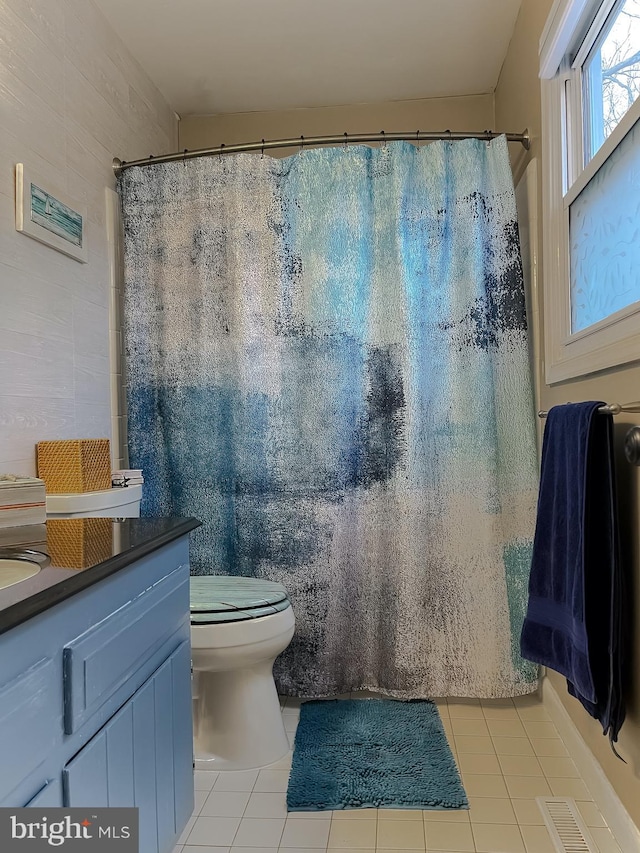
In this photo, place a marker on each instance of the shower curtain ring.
(301, 143)
(417, 136)
(184, 157)
(262, 151)
(384, 139)
(346, 139)
(220, 152)
(449, 132)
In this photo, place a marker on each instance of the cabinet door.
(49, 795)
(29, 724)
(144, 757)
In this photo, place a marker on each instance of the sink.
(19, 564)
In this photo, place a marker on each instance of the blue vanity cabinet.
(95, 699)
(141, 757)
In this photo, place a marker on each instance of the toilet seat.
(221, 598)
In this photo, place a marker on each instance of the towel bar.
(631, 439)
(610, 409)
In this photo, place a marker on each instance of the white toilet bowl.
(238, 628)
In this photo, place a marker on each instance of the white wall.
(458, 113)
(71, 99)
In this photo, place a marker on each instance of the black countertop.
(83, 551)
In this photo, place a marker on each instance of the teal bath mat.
(372, 753)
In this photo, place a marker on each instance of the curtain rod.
(301, 141)
(611, 409)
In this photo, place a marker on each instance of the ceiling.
(223, 56)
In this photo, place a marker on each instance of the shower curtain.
(327, 365)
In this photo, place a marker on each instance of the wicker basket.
(75, 465)
(78, 543)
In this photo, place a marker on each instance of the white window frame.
(616, 339)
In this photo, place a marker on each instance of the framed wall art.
(49, 216)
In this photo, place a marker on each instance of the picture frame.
(50, 216)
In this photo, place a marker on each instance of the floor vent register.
(566, 826)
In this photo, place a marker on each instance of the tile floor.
(508, 753)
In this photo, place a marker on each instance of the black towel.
(576, 621)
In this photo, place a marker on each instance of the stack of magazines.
(127, 477)
(22, 501)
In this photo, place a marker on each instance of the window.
(611, 74)
(604, 238)
(590, 69)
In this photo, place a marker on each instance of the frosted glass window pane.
(604, 232)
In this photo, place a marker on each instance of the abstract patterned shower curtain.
(327, 365)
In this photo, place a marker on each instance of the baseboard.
(617, 817)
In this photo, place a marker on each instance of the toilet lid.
(220, 598)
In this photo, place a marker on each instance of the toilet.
(238, 628)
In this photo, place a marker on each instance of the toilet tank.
(122, 502)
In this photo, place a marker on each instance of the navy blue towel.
(575, 620)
